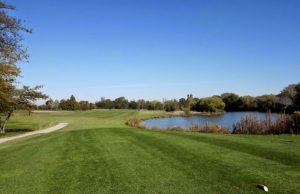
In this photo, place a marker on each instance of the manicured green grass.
(21, 122)
(98, 153)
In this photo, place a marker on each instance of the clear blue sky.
(157, 49)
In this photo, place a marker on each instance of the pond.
(225, 120)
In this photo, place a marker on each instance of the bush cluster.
(284, 124)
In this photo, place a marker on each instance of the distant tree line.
(288, 100)
(70, 104)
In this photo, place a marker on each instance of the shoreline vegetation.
(284, 124)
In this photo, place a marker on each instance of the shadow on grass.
(13, 132)
(18, 130)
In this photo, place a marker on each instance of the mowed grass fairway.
(98, 153)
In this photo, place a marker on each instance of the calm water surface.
(225, 120)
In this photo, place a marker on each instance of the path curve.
(42, 131)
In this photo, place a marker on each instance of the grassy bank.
(98, 153)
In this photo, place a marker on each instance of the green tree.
(133, 105)
(155, 105)
(286, 97)
(189, 101)
(92, 106)
(105, 103)
(210, 104)
(63, 104)
(182, 103)
(296, 99)
(171, 105)
(49, 104)
(232, 101)
(141, 104)
(121, 103)
(72, 103)
(12, 51)
(267, 103)
(28, 96)
(247, 103)
(84, 105)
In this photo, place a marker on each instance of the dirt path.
(42, 131)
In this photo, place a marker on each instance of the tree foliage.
(171, 105)
(12, 52)
(210, 104)
(121, 103)
(133, 105)
(155, 105)
(28, 96)
(231, 101)
(84, 105)
(296, 98)
(69, 104)
(267, 103)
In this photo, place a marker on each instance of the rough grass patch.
(208, 128)
(135, 122)
(284, 124)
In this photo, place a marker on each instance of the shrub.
(247, 125)
(251, 125)
(135, 122)
(187, 112)
(208, 128)
(283, 124)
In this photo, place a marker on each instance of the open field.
(98, 153)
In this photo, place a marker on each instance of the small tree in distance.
(72, 103)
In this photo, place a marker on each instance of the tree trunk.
(2, 127)
(3, 124)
